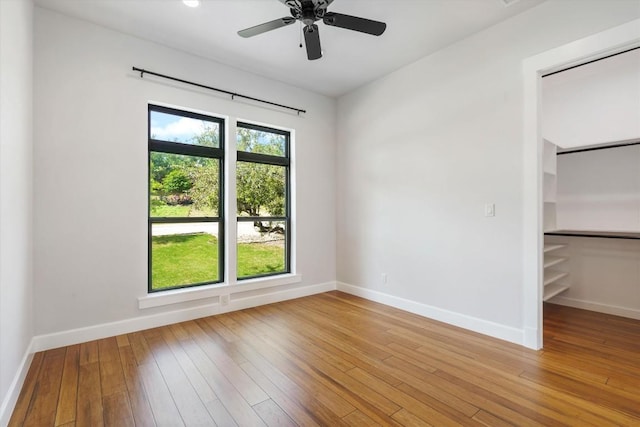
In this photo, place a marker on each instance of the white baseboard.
(596, 306)
(90, 333)
(10, 399)
(485, 327)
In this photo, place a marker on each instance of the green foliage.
(176, 182)
(208, 138)
(260, 187)
(180, 179)
(254, 141)
(206, 186)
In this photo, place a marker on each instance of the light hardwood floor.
(335, 359)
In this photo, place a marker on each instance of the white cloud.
(182, 129)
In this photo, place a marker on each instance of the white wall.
(16, 197)
(593, 104)
(599, 190)
(422, 150)
(91, 167)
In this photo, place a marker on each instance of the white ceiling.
(415, 28)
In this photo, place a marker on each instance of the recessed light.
(191, 3)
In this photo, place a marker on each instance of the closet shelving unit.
(556, 281)
(550, 191)
(556, 276)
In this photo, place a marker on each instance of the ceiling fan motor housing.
(307, 11)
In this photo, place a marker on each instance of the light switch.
(490, 209)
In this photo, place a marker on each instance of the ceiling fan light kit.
(308, 12)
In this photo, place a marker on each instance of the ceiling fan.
(310, 11)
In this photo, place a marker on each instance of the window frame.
(284, 161)
(180, 148)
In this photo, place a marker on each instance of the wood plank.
(89, 410)
(189, 404)
(406, 418)
(122, 340)
(161, 402)
(357, 418)
(207, 395)
(292, 407)
(27, 394)
(111, 376)
(423, 411)
(138, 400)
(232, 400)
(67, 402)
(490, 420)
(89, 353)
(272, 414)
(42, 409)
(117, 410)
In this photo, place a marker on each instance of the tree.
(177, 182)
(261, 187)
(206, 186)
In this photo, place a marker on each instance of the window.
(186, 212)
(263, 206)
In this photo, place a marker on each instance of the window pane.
(261, 189)
(255, 141)
(185, 130)
(183, 186)
(184, 254)
(261, 248)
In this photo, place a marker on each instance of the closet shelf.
(553, 260)
(553, 277)
(549, 247)
(596, 234)
(553, 290)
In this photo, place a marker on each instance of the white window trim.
(232, 285)
(176, 296)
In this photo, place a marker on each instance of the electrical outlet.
(224, 299)
(384, 278)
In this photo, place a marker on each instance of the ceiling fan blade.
(267, 26)
(354, 23)
(323, 4)
(312, 40)
(291, 4)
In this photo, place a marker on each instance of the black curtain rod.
(601, 147)
(233, 94)
(590, 62)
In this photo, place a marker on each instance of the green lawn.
(193, 258)
(162, 210)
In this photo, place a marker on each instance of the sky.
(176, 128)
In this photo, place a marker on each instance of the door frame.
(597, 46)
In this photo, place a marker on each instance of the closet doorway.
(539, 218)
